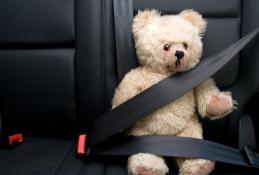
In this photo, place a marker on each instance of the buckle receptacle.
(82, 147)
(10, 140)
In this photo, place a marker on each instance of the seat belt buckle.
(252, 156)
(82, 147)
(10, 140)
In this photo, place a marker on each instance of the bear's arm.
(129, 87)
(204, 93)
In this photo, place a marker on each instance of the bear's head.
(169, 43)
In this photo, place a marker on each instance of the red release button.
(82, 141)
(15, 139)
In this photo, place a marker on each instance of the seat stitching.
(82, 169)
(103, 51)
(62, 161)
(105, 169)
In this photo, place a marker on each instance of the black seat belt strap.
(173, 146)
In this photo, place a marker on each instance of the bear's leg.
(146, 164)
(194, 166)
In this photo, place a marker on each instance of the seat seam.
(63, 160)
(82, 169)
(103, 49)
(105, 169)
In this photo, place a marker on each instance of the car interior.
(58, 73)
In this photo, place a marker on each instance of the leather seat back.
(37, 67)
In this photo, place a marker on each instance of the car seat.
(58, 73)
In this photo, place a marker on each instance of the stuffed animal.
(167, 45)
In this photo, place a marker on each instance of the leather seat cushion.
(35, 156)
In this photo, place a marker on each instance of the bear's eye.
(185, 45)
(167, 47)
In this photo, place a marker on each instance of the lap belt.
(157, 96)
(173, 146)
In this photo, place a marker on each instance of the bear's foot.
(197, 167)
(146, 164)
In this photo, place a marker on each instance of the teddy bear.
(167, 45)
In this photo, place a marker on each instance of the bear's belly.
(168, 120)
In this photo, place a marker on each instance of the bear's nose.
(179, 54)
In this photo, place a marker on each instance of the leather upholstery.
(58, 73)
(219, 8)
(36, 23)
(94, 60)
(247, 84)
(37, 92)
(37, 73)
(33, 157)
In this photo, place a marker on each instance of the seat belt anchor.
(251, 156)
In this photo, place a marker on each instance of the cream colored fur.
(151, 32)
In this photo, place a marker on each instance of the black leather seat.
(58, 73)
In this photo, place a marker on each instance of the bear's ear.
(143, 18)
(196, 19)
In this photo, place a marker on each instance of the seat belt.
(173, 146)
(157, 96)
